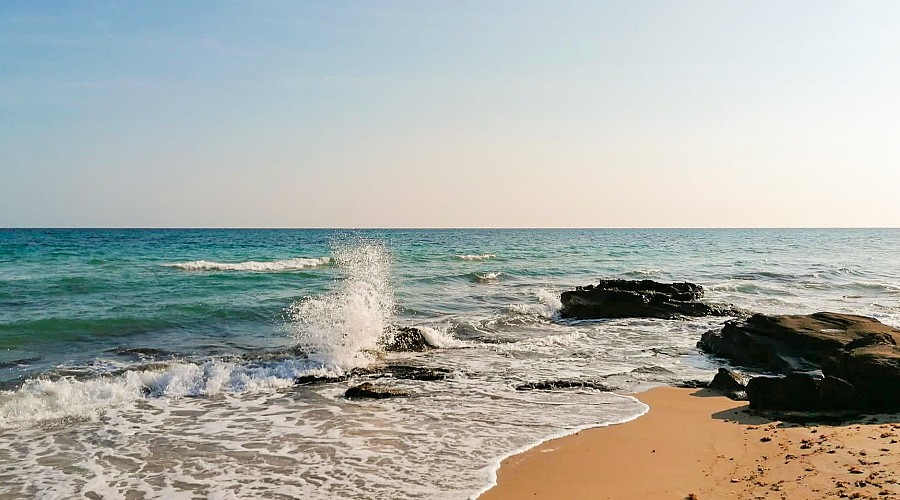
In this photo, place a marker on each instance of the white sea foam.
(476, 257)
(43, 399)
(342, 328)
(440, 337)
(548, 305)
(294, 264)
(491, 277)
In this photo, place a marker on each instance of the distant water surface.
(161, 363)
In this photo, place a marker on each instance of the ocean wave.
(644, 273)
(294, 264)
(548, 306)
(442, 338)
(491, 277)
(476, 257)
(40, 400)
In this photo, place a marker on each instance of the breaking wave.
(39, 400)
(476, 257)
(548, 306)
(491, 277)
(295, 264)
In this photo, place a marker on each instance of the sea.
(163, 363)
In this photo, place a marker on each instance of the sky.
(450, 114)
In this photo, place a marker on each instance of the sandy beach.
(695, 444)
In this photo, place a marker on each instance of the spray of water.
(342, 329)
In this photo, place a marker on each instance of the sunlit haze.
(450, 114)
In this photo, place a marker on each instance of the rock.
(797, 391)
(802, 391)
(875, 372)
(737, 395)
(549, 385)
(692, 384)
(415, 372)
(402, 372)
(405, 339)
(313, 379)
(860, 352)
(367, 390)
(838, 394)
(727, 381)
(638, 299)
(792, 343)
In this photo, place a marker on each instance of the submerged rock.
(402, 372)
(858, 355)
(416, 372)
(367, 390)
(548, 385)
(639, 299)
(313, 379)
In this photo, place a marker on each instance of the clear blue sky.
(462, 114)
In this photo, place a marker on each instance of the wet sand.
(694, 444)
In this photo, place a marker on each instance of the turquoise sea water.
(160, 363)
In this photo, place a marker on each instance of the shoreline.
(497, 463)
(695, 442)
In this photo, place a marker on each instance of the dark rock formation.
(728, 381)
(639, 299)
(405, 339)
(407, 372)
(802, 391)
(403, 372)
(789, 343)
(313, 380)
(874, 369)
(549, 385)
(859, 357)
(692, 384)
(367, 390)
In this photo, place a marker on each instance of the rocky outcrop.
(730, 383)
(405, 339)
(802, 391)
(406, 372)
(400, 372)
(639, 299)
(858, 356)
(790, 343)
(367, 390)
(549, 385)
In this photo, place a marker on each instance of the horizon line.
(427, 228)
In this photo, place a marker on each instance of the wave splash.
(548, 305)
(342, 329)
(294, 264)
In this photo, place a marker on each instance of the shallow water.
(161, 363)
